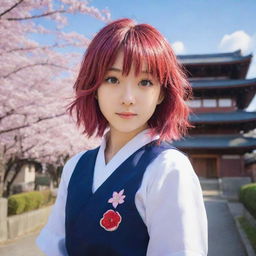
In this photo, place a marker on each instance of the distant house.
(43, 182)
(25, 180)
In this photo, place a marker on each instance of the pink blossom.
(117, 198)
(37, 77)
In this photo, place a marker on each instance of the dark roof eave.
(223, 121)
(223, 84)
(225, 54)
(212, 63)
(224, 118)
(218, 148)
(221, 142)
(214, 58)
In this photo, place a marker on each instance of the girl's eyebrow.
(119, 70)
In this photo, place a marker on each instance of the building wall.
(212, 104)
(20, 177)
(231, 165)
(206, 166)
(26, 175)
(250, 171)
(217, 166)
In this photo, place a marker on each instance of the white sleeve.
(51, 239)
(175, 213)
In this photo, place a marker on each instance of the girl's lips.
(126, 115)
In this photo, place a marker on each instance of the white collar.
(138, 141)
(103, 171)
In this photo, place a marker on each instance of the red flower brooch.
(111, 219)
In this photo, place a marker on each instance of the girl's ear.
(96, 95)
(161, 97)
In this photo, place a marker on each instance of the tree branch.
(30, 124)
(38, 47)
(29, 148)
(12, 111)
(8, 10)
(37, 16)
(8, 113)
(8, 148)
(33, 65)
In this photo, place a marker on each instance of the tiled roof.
(216, 142)
(213, 58)
(223, 117)
(229, 83)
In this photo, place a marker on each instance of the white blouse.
(169, 200)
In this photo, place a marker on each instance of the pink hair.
(140, 42)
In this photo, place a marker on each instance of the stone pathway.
(23, 246)
(223, 236)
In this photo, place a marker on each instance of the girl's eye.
(112, 80)
(146, 82)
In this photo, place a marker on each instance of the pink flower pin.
(117, 198)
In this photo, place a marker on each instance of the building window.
(210, 103)
(194, 103)
(225, 102)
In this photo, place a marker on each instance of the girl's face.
(136, 97)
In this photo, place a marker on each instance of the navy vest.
(88, 230)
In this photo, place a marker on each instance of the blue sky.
(191, 26)
(199, 24)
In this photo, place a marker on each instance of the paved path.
(24, 246)
(223, 236)
(224, 239)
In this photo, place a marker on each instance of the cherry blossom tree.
(36, 83)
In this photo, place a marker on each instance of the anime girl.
(135, 194)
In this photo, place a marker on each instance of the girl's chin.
(128, 129)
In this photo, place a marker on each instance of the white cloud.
(247, 43)
(237, 40)
(241, 40)
(252, 68)
(178, 47)
(252, 105)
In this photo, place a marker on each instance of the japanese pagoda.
(218, 142)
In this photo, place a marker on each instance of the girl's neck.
(115, 140)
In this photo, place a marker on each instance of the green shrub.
(249, 230)
(47, 197)
(16, 204)
(247, 196)
(28, 201)
(33, 200)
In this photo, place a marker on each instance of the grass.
(249, 230)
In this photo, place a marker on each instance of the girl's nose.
(128, 95)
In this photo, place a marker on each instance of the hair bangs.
(141, 46)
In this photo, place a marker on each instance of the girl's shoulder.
(170, 166)
(172, 157)
(169, 154)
